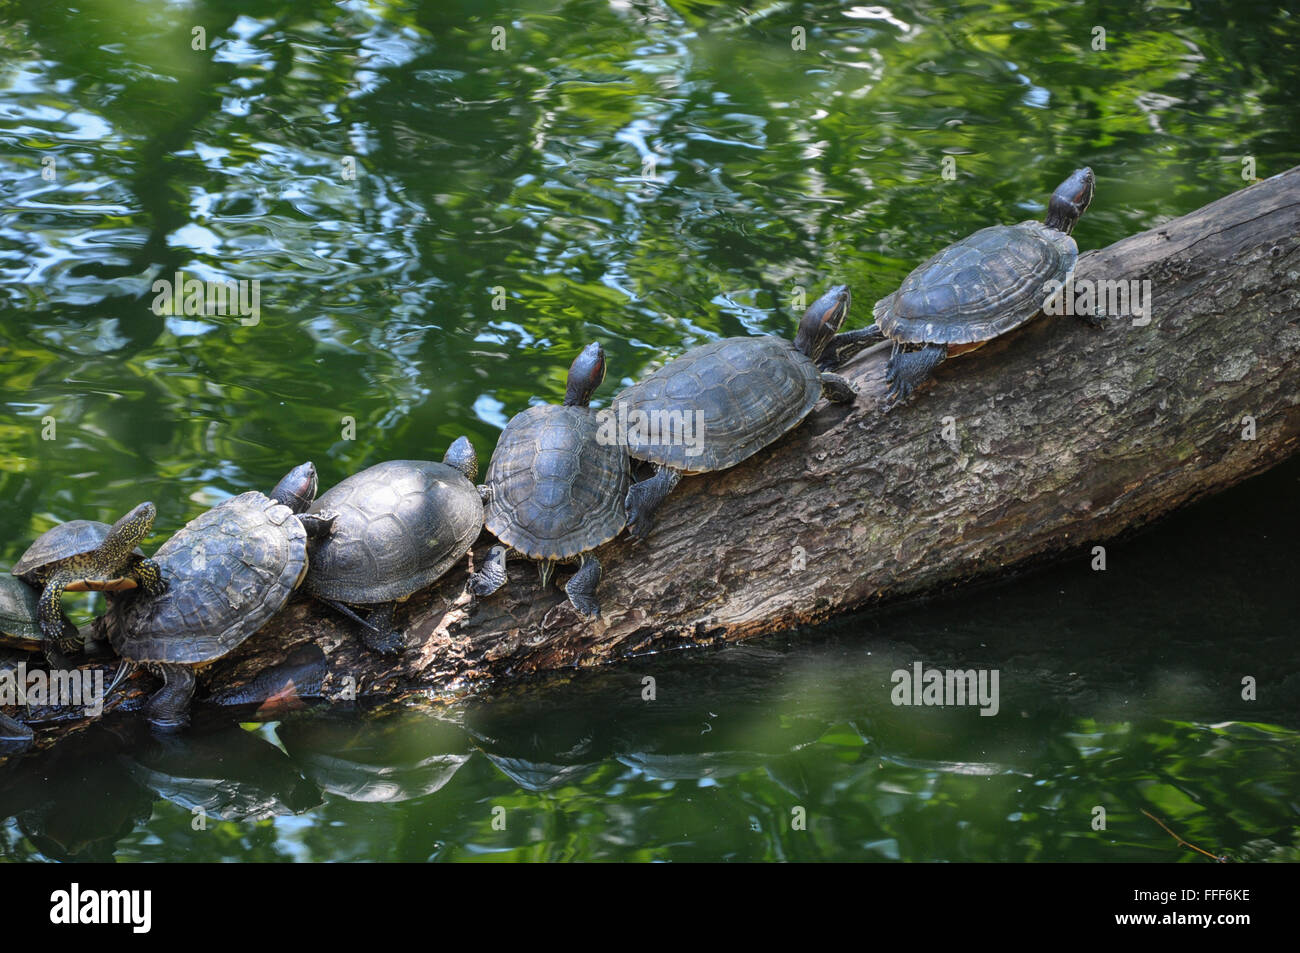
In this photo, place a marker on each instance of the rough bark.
(1061, 437)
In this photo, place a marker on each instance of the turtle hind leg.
(581, 588)
(644, 498)
(908, 370)
(492, 576)
(169, 709)
(844, 345)
(380, 634)
(377, 630)
(15, 737)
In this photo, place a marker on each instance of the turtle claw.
(644, 498)
(169, 708)
(636, 531)
(907, 370)
(639, 521)
(385, 643)
(381, 634)
(899, 393)
(586, 606)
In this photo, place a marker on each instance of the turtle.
(555, 488)
(975, 290)
(722, 402)
(85, 555)
(20, 622)
(228, 570)
(398, 526)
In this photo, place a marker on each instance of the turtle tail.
(124, 671)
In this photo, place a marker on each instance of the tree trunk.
(1044, 443)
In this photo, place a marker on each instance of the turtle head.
(1070, 200)
(823, 321)
(298, 488)
(128, 532)
(461, 455)
(585, 374)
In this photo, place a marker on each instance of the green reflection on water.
(525, 169)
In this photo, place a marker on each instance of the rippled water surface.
(650, 175)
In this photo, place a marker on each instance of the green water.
(519, 176)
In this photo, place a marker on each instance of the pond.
(442, 202)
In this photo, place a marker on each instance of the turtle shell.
(19, 620)
(558, 487)
(398, 526)
(61, 542)
(228, 571)
(750, 391)
(980, 287)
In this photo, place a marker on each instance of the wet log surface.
(1039, 445)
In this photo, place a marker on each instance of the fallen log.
(1040, 445)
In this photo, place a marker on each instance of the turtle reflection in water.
(389, 758)
(221, 771)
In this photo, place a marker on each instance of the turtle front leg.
(169, 709)
(644, 498)
(149, 575)
(581, 587)
(908, 370)
(49, 611)
(68, 643)
(847, 343)
(382, 635)
(493, 574)
(837, 390)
